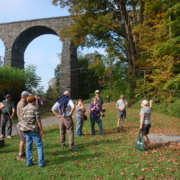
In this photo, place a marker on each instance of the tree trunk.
(129, 37)
(141, 11)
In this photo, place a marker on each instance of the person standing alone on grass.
(32, 128)
(121, 106)
(7, 115)
(65, 107)
(80, 109)
(145, 121)
(21, 104)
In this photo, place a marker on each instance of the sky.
(42, 51)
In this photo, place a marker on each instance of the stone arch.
(17, 36)
(23, 40)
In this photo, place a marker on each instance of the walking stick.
(11, 120)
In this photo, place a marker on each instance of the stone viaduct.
(17, 36)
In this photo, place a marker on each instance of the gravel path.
(163, 138)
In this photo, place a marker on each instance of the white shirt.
(67, 110)
(120, 104)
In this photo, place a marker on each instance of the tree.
(52, 93)
(14, 81)
(88, 80)
(107, 24)
(159, 43)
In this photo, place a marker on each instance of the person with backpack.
(63, 109)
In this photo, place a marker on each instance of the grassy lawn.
(100, 157)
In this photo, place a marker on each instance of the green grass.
(100, 157)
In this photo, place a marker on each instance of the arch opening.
(42, 52)
(23, 40)
(2, 52)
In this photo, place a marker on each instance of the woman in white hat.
(145, 121)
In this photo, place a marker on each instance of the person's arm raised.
(151, 102)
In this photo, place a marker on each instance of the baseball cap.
(8, 96)
(25, 93)
(145, 102)
(97, 91)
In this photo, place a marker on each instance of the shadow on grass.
(65, 156)
(6, 148)
(83, 143)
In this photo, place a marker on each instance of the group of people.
(30, 126)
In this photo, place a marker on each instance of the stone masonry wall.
(17, 36)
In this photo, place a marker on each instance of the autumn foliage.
(143, 33)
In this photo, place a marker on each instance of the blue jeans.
(98, 120)
(79, 126)
(30, 137)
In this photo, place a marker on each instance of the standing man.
(21, 104)
(99, 98)
(121, 106)
(7, 115)
(65, 107)
(32, 127)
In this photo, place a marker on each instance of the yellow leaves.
(95, 64)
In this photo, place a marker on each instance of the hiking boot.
(9, 137)
(122, 128)
(23, 154)
(21, 158)
(43, 165)
(118, 129)
(30, 165)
